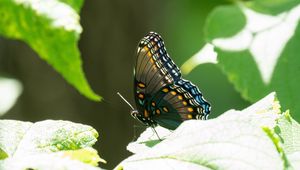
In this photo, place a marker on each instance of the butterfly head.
(134, 114)
(141, 118)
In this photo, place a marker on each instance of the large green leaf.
(263, 56)
(47, 144)
(52, 29)
(235, 140)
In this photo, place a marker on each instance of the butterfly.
(162, 96)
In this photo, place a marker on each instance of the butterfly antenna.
(125, 101)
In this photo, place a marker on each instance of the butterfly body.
(162, 96)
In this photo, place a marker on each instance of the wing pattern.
(162, 96)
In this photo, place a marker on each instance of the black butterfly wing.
(151, 73)
(161, 95)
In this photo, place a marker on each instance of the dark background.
(112, 30)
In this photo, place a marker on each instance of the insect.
(162, 96)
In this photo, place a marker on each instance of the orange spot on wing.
(141, 96)
(141, 85)
(173, 93)
(184, 103)
(153, 104)
(180, 97)
(149, 54)
(165, 90)
(146, 48)
(189, 116)
(146, 113)
(151, 60)
(190, 109)
(157, 111)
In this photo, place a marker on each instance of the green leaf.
(276, 140)
(234, 140)
(3, 154)
(52, 29)
(25, 141)
(51, 161)
(224, 21)
(289, 131)
(262, 57)
(242, 71)
(272, 6)
(148, 139)
(85, 155)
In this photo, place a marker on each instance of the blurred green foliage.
(241, 66)
(32, 23)
(224, 21)
(184, 37)
(272, 6)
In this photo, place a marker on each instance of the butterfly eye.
(134, 113)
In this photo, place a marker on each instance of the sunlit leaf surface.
(235, 140)
(47, 144)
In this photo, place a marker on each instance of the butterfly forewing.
(161, 95)
(150, 73)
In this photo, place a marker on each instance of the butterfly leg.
(154, 131)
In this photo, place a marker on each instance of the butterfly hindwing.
(175, 104)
